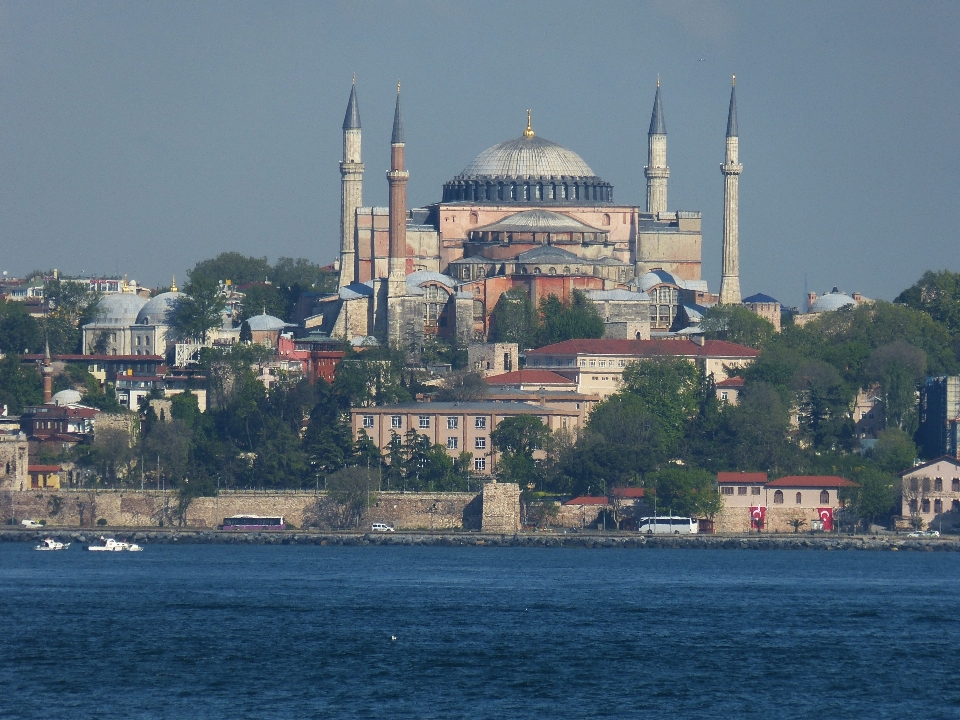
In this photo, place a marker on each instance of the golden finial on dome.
(528, 133)
(173, 284)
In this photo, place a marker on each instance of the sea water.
(212, 631)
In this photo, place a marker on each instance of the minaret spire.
(397, 137)
(351, 188)
(731, 169)
(397, 178)
(656, 169)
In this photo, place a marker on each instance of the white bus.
(667, 525)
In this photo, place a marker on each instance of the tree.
(823, 403)
(938, 295)
(193, 315)
(756, 431)
(19, 385)
(353, 489)
(513, 319)
(685, 491)
(895, 451)
(516, 438)
(233, 266)
(19, 332)
(875, 496)
(898, 367)
(462, 387)
(736, 323)
(263, 298)
(109, 453)
(578, 318)
(668, 389)
(69, 304)
(796, 520)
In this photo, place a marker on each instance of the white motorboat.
(111, 545)
(51, 544)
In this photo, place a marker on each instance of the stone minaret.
(351, 189)
(731, 169)
(397, 179)
(656, 170)
(47, 375)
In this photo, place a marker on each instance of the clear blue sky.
(142, 137)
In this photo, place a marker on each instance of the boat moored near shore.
(111, 545)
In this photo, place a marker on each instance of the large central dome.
(528, 157)
(531, 171)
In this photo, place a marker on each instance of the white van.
(668, 526)
(381, 527)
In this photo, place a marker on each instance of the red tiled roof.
(648, 348)
(44, 468)
(732, 382)
(587, 500)
(541, 377)
(100, 358)
(828, 481)
(629, 492)
(742, 477)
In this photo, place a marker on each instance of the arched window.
(474, 218)
(552, 271)
(799, 498)
(526, 191)
(539, 191)
(536, 271)
(606, 219)
(824, 497)
(778, 497)
(566, 269)
(481, 272)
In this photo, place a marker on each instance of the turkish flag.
(758, 515)
(826, 516)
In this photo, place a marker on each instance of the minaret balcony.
(731, 169)
(656, 172)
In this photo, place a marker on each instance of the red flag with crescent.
(826, 517)
(758, 515)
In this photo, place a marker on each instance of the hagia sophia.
(526, 213)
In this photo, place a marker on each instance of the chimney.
(697, 340)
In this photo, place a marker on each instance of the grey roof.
(356, 290)
(421, 276)
(544, 252)
(622, 295)
(528, 157)
(156, 309)
(397, 136)
(476, 406)
(657, 126)
(654, 278)
(264, 322)
(537, 221)
(831, 301)
(351, 121)
(732, 114)
(118, 310)
(760, 298)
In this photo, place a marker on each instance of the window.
(138, 339)
(603, 363)
(925, 505)
(479, 464)
(938, 484)
(593, 363)
(452, 443)
(799, 498)
(453, 423)
(480, 443)
(938, 506)
(913, 505)
(741, 491)
(754, 491)
(396, 421)
(480, 423)
(723, 395)
(955, 506)
(424, 421)
(583, 363)
(955, 485)
(914, 484)
(726, 490)
(622, 363)
(925, 482)
(778, 497)
(824, 497)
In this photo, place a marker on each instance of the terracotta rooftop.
(629, 492)
(732, 382)
(44, 468)
(742, 477)
(648, 348)
(540, 377)
(588, 500)
(825, 481)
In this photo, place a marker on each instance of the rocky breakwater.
(542, 540)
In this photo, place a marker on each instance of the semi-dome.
(118, 310)
(156, 309)
(531, 170)
(831, 301)
(655, 277)
(265, 323)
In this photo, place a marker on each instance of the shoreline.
(594, 540)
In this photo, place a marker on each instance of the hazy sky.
(142, 137)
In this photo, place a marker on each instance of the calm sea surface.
(204, 631)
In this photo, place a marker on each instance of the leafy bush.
(102, 522)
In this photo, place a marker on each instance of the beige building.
(597, 365)
(750, 500)
(459, 427)
(931, 494)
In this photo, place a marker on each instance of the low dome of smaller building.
(156, 309)
(831, 301)
(655, 277)
(118, 310)
(265, 323)
(66, 397)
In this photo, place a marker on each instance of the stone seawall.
(533, 540)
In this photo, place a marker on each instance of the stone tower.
(731, 169)
(656, 170)
(397, 281)
(351, 189)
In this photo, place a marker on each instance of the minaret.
(656, 170)
(351, 189)
(731, 169)
(397, 281)
(47, 375)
